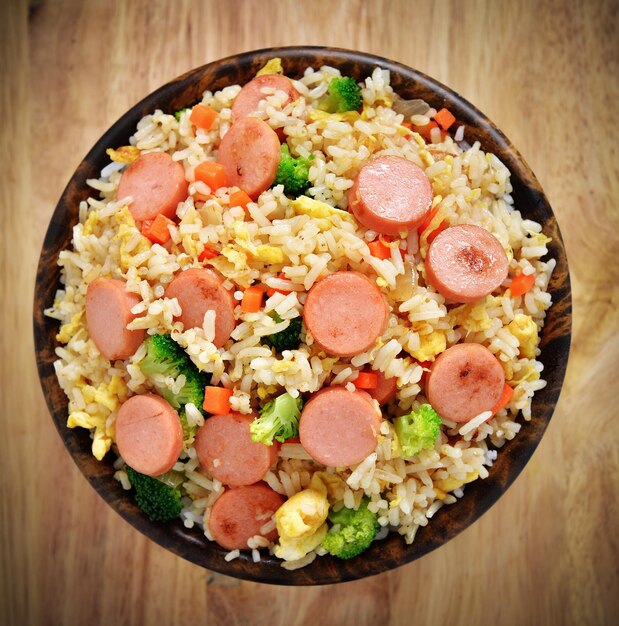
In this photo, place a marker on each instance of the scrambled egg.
(124, 154)
(269, 255)
(322, 212)
(110, 396)
(301, 522)
(91, 221)
(71, 328)
(473, 317)
(525, 330)
(349, 116)
(432, 345)
(272, 66)
(442, 487)
(126, 231)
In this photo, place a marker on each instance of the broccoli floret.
(189, 432)
(418, 430)
(279, 419)
(357, 529)
(165, 356)
(287, 339)
(344, 95)
(159, 501)
(293, 173)
(178, 114)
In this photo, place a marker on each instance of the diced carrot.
(157, 230)
(439, 229)
(252, 299)
(240, 198)
(217, 400)
(444, 118)
(206, 254)
(202, 116)
(521, 283)
(292, 440)
(426, 365)
(506, 396)
(379, 250)
(211, 173)
(366, 380)
(426, 131)
(407, 125)
(426, 222)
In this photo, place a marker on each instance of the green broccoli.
(189, 432)
(418, 430)
(165, 356)
(178, 114)
(279, 419)
(293, 173)
(353, 531)
(158, 500)
(287, 339)
(344, 95)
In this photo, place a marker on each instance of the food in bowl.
(302, 313)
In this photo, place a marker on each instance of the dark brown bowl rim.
(449, 521)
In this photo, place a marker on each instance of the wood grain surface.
(548, 74)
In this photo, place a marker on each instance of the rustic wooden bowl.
(480, 495)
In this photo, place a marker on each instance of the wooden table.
(548, 74)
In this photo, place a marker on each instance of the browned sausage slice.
(250, 153)
(465, 263)
(385, 390)
(249, 98)
(390, 195)
(346, 313)
(239, 514)
(226, 451)
(198, 291)
(338, 427)
(149, 435)
(108, 311)
(464, 381)
(157, 184)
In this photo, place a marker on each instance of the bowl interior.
(480, 495)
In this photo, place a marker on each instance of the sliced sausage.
(338, 427)
(108, 311)
(249, 98)
(226, 451)
(239, 514)
(464, 381)
(149, 435)
(465, 263)
(345, 313)
(390, 195)
(198, 291)
(385, 390)
(157, 184)
(250, 153)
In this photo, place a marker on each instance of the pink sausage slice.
(108, 311)
(198, 291)
(157, 184)
(385, 390)
(465, 263)
(250, 153)
(464, 381)
(249, 98)
(239, 514)
(226, 451)
(338, 427)
(346, 313)
(149, 435)
(390, 195)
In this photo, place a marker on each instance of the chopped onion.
(405, 284)
(409, 107)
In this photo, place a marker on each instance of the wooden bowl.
(480, 495)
